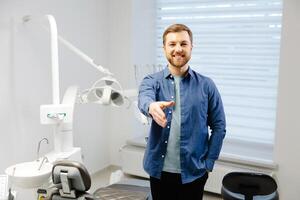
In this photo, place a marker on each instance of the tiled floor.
(101, 179)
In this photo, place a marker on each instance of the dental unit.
(105, 91)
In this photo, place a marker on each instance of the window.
(237, 44)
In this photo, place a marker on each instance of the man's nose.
(178, 48)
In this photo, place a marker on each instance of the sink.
(28, 175)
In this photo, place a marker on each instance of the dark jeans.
(169, 187)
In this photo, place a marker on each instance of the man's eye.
(172, 45)
(183, 44)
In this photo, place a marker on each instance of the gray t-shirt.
(172, 159)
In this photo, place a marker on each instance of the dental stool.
(71, 180)
(248, 186)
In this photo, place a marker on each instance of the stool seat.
(248, 186)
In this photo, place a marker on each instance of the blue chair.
(249, 186)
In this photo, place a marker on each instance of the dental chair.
(71, 181)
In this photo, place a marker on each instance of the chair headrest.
(76, 172)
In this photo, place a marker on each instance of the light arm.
(83, 56)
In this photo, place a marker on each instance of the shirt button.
(166, 141)
(162, 156)
(168, 126)
(172, 97)
(170, 111)
(172, 82)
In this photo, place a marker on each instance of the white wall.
(132, 41)
(287, 146)
(26, 76)
(6, 106)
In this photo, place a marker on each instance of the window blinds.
(236, 43)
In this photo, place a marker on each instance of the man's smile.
(178, 55)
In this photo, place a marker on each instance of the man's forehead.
(178, 36)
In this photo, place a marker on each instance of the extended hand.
(157, 113)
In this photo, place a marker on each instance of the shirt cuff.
(147, 105)
(209, 164)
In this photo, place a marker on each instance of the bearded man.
(183, 104)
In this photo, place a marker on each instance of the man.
(182, 104)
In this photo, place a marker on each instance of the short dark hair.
(174, 28)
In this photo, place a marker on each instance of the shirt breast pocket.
(162, 92)
(200, 105)
(204, 106)
(198, 110)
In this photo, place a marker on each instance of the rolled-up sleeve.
(217, 124)
(146, 94)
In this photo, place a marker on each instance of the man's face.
(178, 48)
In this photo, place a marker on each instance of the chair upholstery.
(248, 186)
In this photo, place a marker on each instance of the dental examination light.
(105, 91)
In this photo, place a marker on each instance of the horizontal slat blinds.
(236, 43)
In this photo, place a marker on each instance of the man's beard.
(178, 64)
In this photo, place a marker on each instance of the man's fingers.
(165, 104)
(156, 110)
(160, 122)
(160, 117)
(158, 114)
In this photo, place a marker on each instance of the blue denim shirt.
(201, 107)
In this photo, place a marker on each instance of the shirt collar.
(167, 73)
